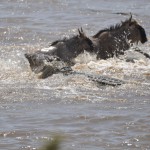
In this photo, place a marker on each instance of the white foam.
(48, 49)
(85, 58)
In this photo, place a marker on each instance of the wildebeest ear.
(82, 30)
(129, 21)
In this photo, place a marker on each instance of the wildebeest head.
(85, 42)
(136, 32)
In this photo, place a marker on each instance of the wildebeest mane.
(62, 40)
(90, 43)
(112, 28)
(57, 41)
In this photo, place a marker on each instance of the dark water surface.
(88, 116)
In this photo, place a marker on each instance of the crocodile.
(45, 65)
(48, 65)
(99, 79)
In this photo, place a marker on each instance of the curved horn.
(130, 17)
(79, 32)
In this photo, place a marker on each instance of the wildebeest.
(66, 49)
(115, 40)
(60, 52)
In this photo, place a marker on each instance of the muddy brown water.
(88, 116)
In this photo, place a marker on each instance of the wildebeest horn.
(81, 30)
(81, 33)
(130, 17)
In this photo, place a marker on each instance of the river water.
(86, 115)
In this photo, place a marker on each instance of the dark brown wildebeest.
(115, 40)
(68, 49)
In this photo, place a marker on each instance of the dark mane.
(57, 41)
(111, 28)
(90, 43)
(62, 40)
